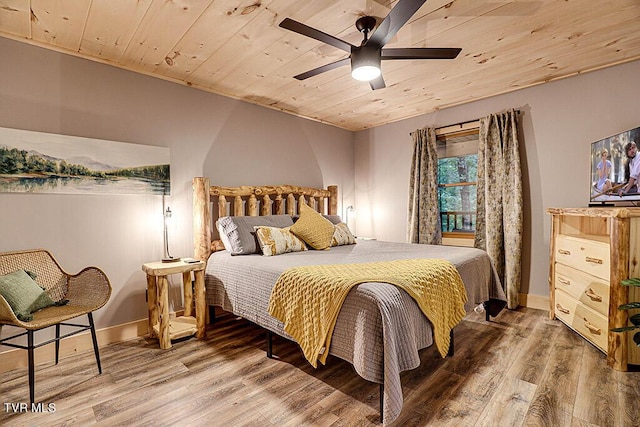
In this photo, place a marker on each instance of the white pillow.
(223, 236)
(342, 235)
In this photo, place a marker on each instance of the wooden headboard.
(212, 202)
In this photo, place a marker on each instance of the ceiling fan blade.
(322, 69)
(377, 83)
(305, 30)
(398, 16)
(421, 53)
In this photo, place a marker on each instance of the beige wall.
(559, 121)
(232, 142)
(236, 143)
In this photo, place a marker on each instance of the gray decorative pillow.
(239, 231)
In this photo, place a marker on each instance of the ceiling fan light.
(365, 73)
(365, 63)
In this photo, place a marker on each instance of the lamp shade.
(365, 63)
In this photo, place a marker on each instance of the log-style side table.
(160, 326)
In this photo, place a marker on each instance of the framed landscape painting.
(37, 162)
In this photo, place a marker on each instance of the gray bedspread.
(380, 328)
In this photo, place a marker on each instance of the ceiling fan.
(365, 59)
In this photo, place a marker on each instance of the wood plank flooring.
(520, 369)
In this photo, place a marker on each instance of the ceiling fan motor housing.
(365, 62)
(365, 24)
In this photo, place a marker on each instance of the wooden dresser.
(592, 251)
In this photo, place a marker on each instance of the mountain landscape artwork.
(37, 162)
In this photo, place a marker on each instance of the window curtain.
(499, 199)
(424, 214)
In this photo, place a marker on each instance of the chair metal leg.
(95, 341)
(57, 343)
(32, 374)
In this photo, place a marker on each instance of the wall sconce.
(350, 212)
(166, 212)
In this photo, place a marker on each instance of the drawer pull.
(564, 281)
(593, 260)
(591, 328)
(561, 309)
(594, 297)
(564, 252)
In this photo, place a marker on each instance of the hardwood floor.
(518, 369)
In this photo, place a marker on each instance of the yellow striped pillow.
(276, 241)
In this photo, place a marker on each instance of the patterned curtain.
(499, 210)
(424, 214)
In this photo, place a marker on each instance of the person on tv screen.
(631, 169)
(604, 169)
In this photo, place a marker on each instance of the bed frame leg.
(486, 310)
(450, 352)
(212, 314)
(381, 403)
(269, 345)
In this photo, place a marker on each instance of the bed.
(379, 329)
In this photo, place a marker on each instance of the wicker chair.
(86, 291)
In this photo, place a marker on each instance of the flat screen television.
(608, 160)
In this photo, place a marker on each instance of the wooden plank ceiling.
(235, 48)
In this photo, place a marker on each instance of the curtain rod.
(461, 124)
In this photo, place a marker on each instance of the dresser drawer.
(590, 290)
(590, 256)
(591, 325)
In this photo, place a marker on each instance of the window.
(457, 174)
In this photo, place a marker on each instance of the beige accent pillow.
(313, 228)
(342, 235)
(276, 241)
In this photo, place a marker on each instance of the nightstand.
(160, 325)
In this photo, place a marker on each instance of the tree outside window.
(457, 175)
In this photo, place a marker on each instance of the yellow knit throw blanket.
(308, 299)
